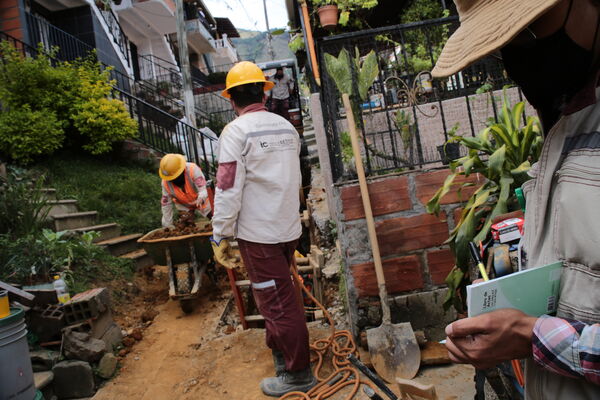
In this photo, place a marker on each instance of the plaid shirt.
(567, 347)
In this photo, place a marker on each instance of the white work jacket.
(258, 180)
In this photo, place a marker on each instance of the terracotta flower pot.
(328, 16)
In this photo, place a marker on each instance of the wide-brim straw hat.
(486, 26)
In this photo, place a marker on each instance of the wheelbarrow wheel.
(187, 305)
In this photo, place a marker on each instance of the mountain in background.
(253, 45)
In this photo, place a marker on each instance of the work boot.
(289, 381)
(279, 361)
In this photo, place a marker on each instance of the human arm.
(231, 176)
(202, 202)
(489, 339)
(166, 206)
(567, 347)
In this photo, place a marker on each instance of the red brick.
(387, 196)
(457, 213)
(9, 3)
(401, 274)
(17, 33)
(440, 263)
(428, 183)
(400, 235)
(8, 13)
(10, 24)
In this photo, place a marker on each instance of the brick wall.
(415, 258)
(10, 18)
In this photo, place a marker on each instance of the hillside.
(252, 45)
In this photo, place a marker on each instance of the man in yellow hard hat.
(257, 202)
(183, 187)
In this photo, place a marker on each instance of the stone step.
(122, 244)
(140, 258)
(106, 231)
(49, 193)
(61, 207)
(72, 221)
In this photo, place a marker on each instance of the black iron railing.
(406, 117)
(157, 128)
(117, 33)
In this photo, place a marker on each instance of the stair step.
(49, 193)
(64, 222)
(122, 244)
(61, 207)
(106, 231)
(140, 258)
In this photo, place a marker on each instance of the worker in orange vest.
(183, 186)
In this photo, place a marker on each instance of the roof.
(224, 25)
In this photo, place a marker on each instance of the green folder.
(534, 291)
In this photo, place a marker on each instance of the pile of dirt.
(186, 225)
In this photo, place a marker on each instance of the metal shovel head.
(394, 351)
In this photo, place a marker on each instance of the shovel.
(393, 347)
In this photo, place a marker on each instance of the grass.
(121, 191)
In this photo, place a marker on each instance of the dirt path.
(181, 357)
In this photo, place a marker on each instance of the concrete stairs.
(64, 215)
(311, 144)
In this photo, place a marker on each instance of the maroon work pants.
(275, 294)
(281, 107)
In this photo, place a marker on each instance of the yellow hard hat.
(171, 166)
(243, 73)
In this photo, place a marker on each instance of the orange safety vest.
(187, 198)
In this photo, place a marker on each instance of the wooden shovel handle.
(364, 192)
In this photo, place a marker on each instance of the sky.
(249, 14)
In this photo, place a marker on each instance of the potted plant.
(328, 13)
(450, 150)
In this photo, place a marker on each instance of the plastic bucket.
(16, 376)
(4, 307)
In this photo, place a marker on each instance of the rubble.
(107, 366)
(73, 379)
(86, 305)
(82, 346)
(43, 360)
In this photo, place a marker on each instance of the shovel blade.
(394, 351)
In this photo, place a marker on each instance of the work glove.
(203, 205)
(223, 253)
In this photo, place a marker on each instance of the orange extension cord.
(341, 343)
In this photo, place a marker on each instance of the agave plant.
(502, 154)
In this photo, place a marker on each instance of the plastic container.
(16, 376)
(62, 292)
(4, 307)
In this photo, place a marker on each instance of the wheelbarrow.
(194, 250)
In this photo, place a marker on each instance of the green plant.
(502, 154)
(49, 104)
(348, 7)
(406, 129)
(23, 205)
(297, 43)
(26, 134)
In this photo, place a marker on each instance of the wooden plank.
(434, 353)
(243, 283)
(24, 297)
(254, 318)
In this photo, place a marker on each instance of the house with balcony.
(226, 54)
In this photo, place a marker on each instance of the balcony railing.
(117, 33)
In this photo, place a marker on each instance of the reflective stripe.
(264, 285)
(273, 132)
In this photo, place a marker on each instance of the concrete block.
(81, 346)
(44, 294)
(86, 305)
(47, 323)
(112, 338)
(73, 379)
(424, 311)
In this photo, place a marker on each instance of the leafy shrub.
(502, 153)
(23, 205)
(38, 256)
(26, 134)
(49, 103)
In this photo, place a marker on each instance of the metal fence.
(157, 128)
(406, 117)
